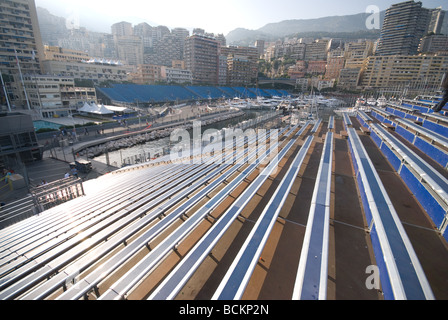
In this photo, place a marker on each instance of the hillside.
(348, 26)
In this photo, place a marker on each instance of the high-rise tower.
(201, 57)
(20, 37)
(404, 25)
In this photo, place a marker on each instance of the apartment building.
(19, 35)
(54, 96)
(130, 49)
(291, 49)
(201, 57)
(434, 43)
(335, 62)
(317, 50)
(316, 67)
(239, 71)
(122, 29)
(349, 78)
(260, 45)
(96, 70)
(298, 70)
(176, 75)
(356, 53)
(399, 70)
(242, 65)
(147, 74)
(404, 25)
(62, 54)
(222, 70)
(436, 20)
(165, 50)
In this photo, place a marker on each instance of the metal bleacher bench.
(401, 274)
(428, 185)
(311, 279)
(125, 284)
(61, 255)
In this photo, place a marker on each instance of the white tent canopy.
(95, 109)
(87, 108)
(103, 110)
(119, 109)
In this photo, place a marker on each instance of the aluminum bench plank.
(311, 279)
(237, 277)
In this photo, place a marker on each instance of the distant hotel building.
(434, 43)
(20, 45)
(52, 96)
(147, 74)
(242, 65)
(317, 50)
(401, 70)
(176, 75)
(404, 25)
(129, 47)
(122, 29)
(62, 54)
(436, 20)
(201, 57)
(260, 44)
(20, 31)
(96, 70)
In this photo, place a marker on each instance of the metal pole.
(6, 93)
(23, 83)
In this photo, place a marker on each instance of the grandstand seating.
(331, 123)
(244, 93)
(235, 281)
(429, 133)
(110, 245)
(364, 119)
(230, 92)
(403, 111)
(422, 106)
(401, 274)
(188, 265)
(347, 121)
(208, 92)
(132, 93)
(316, 126)
(311, 280)
(201, 249)
(383, 115)
(433, 144)
(259, 92)
(429, 186)
(435, 122)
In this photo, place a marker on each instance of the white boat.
(351, 111)
(371, 101)
(381, 102)
(360, 102)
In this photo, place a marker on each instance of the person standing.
(444, 100)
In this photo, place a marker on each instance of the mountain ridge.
(345, 24)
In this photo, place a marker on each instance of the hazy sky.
(214, 16)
